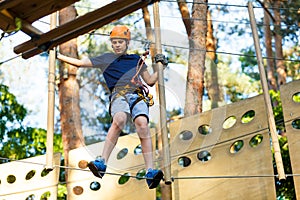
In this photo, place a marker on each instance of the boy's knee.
(120, 120)
(141, 122)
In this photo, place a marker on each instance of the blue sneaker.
(153, 177)
(98, 167)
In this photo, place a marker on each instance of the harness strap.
(144, 94)
(142, 91)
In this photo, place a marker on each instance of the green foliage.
(174, 112)
(289, 30)
(285, 189)
(290, 18)
(19, 141)
(249, 64)
(62, 192)
(293, 68)
(237, 85)
(11, 113)
(23, 143)
(277, 110)
(247, 117)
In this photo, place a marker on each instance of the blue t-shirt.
(117, 70)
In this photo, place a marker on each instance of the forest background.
(230, 72)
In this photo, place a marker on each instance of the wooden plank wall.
(223, 172)
(29, 182)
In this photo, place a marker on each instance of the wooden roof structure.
(25, 12)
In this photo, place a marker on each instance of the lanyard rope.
(135, 80)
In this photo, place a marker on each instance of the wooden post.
(162, 100)
(51, 99)
(263, 79)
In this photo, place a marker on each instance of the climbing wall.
(27, 179)
(126, 159)
(291, 110)
(224, 153)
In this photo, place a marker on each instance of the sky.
(28, 79)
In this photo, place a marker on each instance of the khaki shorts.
(128, 104)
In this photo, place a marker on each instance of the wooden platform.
(28, 11)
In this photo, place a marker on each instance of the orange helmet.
(121, 32)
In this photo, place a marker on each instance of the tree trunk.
(269, 51)
(196, 68)
(212, 83)
(184, 10)
(149, 32)
(280, 67)
(69, 93)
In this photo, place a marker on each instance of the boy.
(128, 98)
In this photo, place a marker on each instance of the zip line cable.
(187, 48)
(9, 59)
(178, 178)
(227, 5)
(208, 4)
(217, 52)
(234, 177)
(213, 20)
(233, 54)
(231, 22)
(142, 177)
(157, 160)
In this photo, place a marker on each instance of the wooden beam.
(31, 10)
(51, 100)
(28, 11)
(8, 24)
(162, 102)
(6, 4)
(30, 30)
(79, 26)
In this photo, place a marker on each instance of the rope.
(217, 52)
(173, 178)
(10, 59)
(227, 5)
(140, 64)
(234, 177)
(72, 168)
